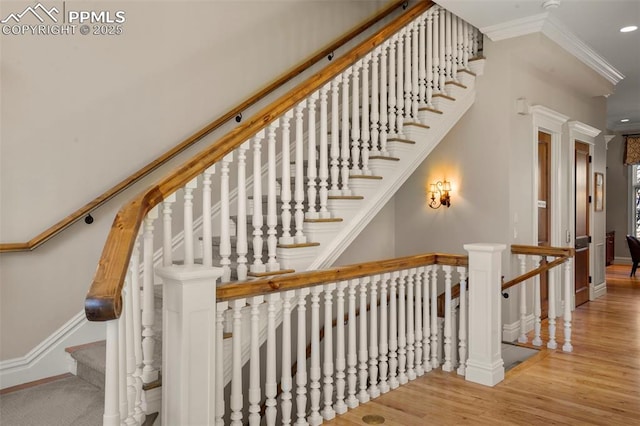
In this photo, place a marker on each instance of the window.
(634, 198)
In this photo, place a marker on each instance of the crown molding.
(585, 129)
(559, 33)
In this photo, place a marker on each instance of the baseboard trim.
(599, 290)
(622, 260)
(510, 332)
(49, 357)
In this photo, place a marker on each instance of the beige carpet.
(66, 402)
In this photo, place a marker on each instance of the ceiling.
(590, 29)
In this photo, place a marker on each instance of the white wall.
(80, 113)
(487, 157)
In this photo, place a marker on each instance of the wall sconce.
(440, 194)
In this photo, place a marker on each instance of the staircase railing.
(334, 126)
(236, 112)
(544, 259)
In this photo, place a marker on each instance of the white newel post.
(188, 344)
(484, 363)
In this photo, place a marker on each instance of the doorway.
(544, 211)
(582, 238)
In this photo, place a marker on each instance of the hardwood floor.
(597, 384)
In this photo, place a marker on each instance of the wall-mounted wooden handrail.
(307, 279)
(83, 211)
(103, 302)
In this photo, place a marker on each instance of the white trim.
(560, 34)
(515, 28)
(599, 290)
(631, 206)
(511, 332)
(619, 260)
(49, 358)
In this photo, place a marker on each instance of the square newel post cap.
(189, 273)
(485, 247)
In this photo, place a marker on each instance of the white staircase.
(321, 169)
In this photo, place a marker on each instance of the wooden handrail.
(103, 301)
(562, 255)
(306, 279)
(83, 211)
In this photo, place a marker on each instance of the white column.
(254, 362)
(434, 317)
(384, 112)
(167, 247)
(522, 259)
(300, 238)
(285, 186)
(345, 153)
(374, 391)
(485, 365)
(447, 365)
(315, 371)
(422, 61)
(418, 321)
(271, 386)
(225, 231)
(257, 220)
(355, 118)
(393, 99)
(335, 136)
(365, 133)
(363, 354)
(551, 314)
(236, 398)
(462, 333)
(411, 333)
(312, 172)
(426, 320)
(242, 244)
(221, 308)
(323, 164)
(188, 221)
(375, 103)
(111, 416)
(149, 373)
(286, 382)
(188, 344)
(352, 354)
(272, 217)
(340, 407)
(384, 337)
(207, 247)
(301, 344)
(537, 309)
(393, 331)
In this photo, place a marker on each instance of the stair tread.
(445, 96)
(424, 126)
(382, 157)
(436, 111)
(345, 197)
(373, 177)
(402, 140)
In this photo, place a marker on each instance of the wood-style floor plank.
(597, 384)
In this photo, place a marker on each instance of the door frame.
(551, 122)
(584, 133)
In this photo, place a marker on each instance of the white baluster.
(422, 62)
(136, 310)
(384, 111)
(221, 307)
(418, 321)
(167, 246)
(352, 354)
(254, 362)
(363, 354)
(402, 328)
(462, 333)
(442, 52)
(375, 103)
(242, 245)
(207, 247)
(393, 331)
(286, 382)
(426, 320)
(430, 37)
(149, 373)
(475, 42)
(355, 122)
(345, 153)
(567, 346)
(301, 374)
(225, 234)
(374, 391)
(311, 160)
(454, 47)
(400, 105)
(323, 173)
(460, 44)
(384, 336)
(340, 407)
(131, 356)
(271, 386)
(122, 364)
(111, 416)
(188, 221)
(523, 300)
(314, 370)
(447, 366)
(393, 99)
(411, 337)
(408, 84)
(300, 238)
(537, 310)
(435, 37)
(285, 187)
(465, 45)
(551, 315)
(365, 134)
(415, 68)
(434, 317)
(236, 378)
(328, 412)
(335, 136)
(272, 218)
(257, 220)
(448, 49)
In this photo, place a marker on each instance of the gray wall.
(80, 113)
(617, 195)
